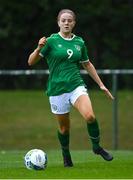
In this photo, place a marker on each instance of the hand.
(42, 42)
(107, 92)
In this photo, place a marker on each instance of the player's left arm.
(89, 67)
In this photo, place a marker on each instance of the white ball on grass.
(36, 159)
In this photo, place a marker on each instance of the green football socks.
(64, 141)
(93, 131)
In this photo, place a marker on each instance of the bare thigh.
(84, 106)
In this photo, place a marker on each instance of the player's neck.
(66, 35)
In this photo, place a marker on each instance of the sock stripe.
(94, 137)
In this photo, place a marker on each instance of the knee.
(89, 117)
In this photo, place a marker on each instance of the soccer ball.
(35, 159)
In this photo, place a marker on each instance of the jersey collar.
(68, 39)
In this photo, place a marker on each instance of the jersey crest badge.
(59, 45)
(77, 47)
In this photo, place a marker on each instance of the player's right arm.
(34, 57)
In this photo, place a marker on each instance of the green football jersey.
(64, 57)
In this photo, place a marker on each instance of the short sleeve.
(44, 51)
(84, 52)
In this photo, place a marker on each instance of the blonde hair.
(66, 11)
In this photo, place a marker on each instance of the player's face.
(66, 23)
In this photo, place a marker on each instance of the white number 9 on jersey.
(70, 53)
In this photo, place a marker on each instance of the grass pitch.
(27, 123)
(86, 166)
(25, 117)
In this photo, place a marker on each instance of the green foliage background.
(106, 26)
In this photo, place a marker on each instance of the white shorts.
(61, 104)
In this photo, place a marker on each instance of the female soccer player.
(63, 52)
